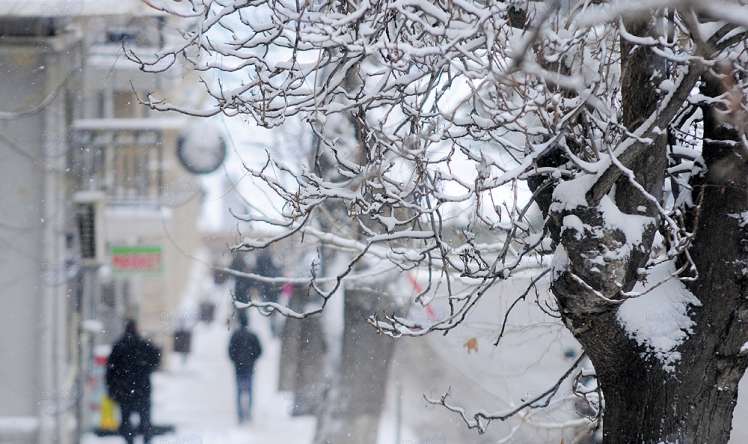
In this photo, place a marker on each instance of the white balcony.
(123, 158)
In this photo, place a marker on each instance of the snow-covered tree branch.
(601, 144)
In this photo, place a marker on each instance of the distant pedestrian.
(242, 285)
(128, 379)
(244, 349)
(266, 291)
(267, 268)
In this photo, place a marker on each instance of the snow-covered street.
(198, 397)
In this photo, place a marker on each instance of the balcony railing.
(121, 157)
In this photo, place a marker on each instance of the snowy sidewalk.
(198, 396)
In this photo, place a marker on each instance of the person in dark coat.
(244, 349)
(265, 267)
(128, 379)
(243, 286)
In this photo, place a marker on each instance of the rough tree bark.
(694, 405)
(643, 403)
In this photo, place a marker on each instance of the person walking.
(244, 350)
(264, 266)
(242, 285)
(128, 380)
(266, 291)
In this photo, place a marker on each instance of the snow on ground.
(198, 397)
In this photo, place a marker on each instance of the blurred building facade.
(37, 321)
(99, 218)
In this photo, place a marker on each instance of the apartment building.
(99, 217)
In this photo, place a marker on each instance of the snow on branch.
(482, 419)
(466, 142)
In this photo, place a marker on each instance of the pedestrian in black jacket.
(128, 379)
(243, 286)
(244, 349)
(265, 266)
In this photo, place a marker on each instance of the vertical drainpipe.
(48, 299)
(54, 412)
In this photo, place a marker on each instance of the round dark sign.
(201, 149)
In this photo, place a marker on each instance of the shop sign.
(138, 259)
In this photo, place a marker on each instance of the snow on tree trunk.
(672, 376)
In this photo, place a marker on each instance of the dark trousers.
(143, 409)
(244, 385)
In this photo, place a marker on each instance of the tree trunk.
(644, 403)
(289, 354)
(290, 343)
(354, 403)
(655, 409)
(308, 382)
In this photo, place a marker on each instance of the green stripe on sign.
(146, 249)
